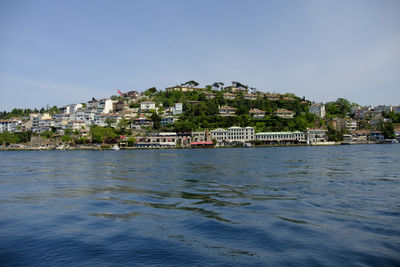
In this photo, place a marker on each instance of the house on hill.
(257, 114)
(227, 111)
(284, 113)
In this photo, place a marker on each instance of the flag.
(119, 92)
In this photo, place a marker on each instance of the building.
(239, 134)
(284, 113)
(209, 95)
(351, 125)
(257, 114)
(147, 106)
(142, 121)
(316, 135)
(229, 96)
(103, 120)
(220, 136)
(41, 122)
(105, 106)
(383, 108)
(234, 89)
(201, 136)
(227, 111)
(250, 96)
(71, 108)
(281, 137)
(272, 97)
(396, 109)
(165, 140)
(183, 89)
(318, 110)
(11, 125)
(232, 135)
(336, 123)
(178, 109)
(168, 120)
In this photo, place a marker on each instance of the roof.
(226, 107)
(282, 110)
(219, 130)
(271, 133)
(256, 111)
(201, 143)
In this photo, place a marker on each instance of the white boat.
(247, 145)
(115, 147)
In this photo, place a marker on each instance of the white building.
(220, 136)
(316, 135)
(318, 110)
(71, 108)
(240, 134)
(284, 113)
(12, 125)
(351, 125)
(227, 111)
(232, 135)
(105, 106)
(147, 106)
(178, 109)
(281, 136)
(102, 119)
(257, 114)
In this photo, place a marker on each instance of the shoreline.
(162, 148)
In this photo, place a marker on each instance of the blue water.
(331, 206)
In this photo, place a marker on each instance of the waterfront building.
(239, 134)
(220, 136)
(281, 137)
(284, 113)
(316, 135)
(198, 136)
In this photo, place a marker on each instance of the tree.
(190, 83)
(101, 135)
(123, 124)
(131, 141)
(156, 121)
(109, 121)
(218, 85)
(387, 130)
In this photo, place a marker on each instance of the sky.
(57, 52)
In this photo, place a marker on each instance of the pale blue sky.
(61, 52)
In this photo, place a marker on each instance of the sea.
(269, 206)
